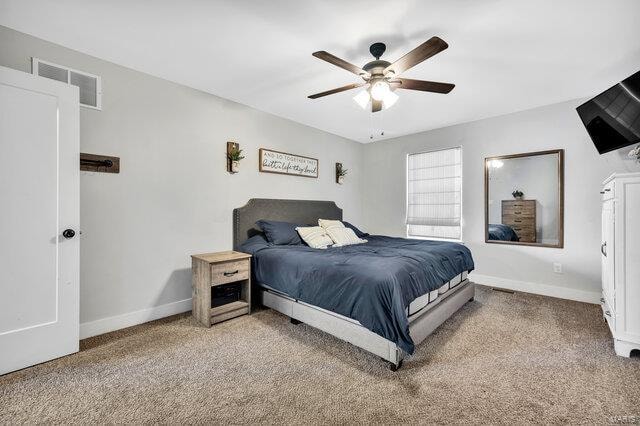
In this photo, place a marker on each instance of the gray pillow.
(280, 233)
(358, 232)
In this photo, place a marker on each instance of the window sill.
(451, 240)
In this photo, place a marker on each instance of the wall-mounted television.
(613, 117)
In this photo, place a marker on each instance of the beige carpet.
(503, 358)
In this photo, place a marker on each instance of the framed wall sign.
(287, 164)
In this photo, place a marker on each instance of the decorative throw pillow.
(358, 232)
(344, 236)
(280, 233)
(315, 236)
(326, 223)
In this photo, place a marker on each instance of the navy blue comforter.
(500, 232)
(372, 283)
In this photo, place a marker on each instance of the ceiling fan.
(381, 77)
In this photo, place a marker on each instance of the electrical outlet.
(557, 267)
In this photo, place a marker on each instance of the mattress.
(415, 315)
(421, 302)
(366, 282)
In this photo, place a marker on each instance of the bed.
(500, 232)
(385, 296)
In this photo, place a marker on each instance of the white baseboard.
(105, 325)
(537, 288)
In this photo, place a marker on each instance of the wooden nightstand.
(214, 269)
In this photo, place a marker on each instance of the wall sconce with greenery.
(341, 172)
(234, 155)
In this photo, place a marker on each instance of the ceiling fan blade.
(423, 85)
(337, 90)
(426, 50)
(326, 56)
(376, 105)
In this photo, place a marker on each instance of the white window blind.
(434, 194)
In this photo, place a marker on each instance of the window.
(434, 194)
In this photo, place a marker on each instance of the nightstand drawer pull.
(230, 274)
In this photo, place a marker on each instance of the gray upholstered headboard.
(305, 212)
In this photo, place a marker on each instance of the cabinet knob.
(68, 233)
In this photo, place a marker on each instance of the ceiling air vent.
(90, 85)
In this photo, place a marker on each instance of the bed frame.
(421, 324)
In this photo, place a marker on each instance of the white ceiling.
(503, 56)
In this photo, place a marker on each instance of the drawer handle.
(516, 220)
(603, 249)
(230, 274)
(517, 212)
(602, 300)
(607, 189)
(607, 313)
(602, 192)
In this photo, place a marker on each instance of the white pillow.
(315, 236)
(344, 236)
(326, 223)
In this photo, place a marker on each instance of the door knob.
(68, 233)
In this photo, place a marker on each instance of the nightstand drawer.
(229, 272)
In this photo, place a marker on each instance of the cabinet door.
(607, 252)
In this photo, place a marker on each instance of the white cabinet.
(608, 254)
(620, 252)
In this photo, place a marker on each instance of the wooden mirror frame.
(560, 153)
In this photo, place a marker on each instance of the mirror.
(524, 196)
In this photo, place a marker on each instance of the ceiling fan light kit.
(379, 89)
(362, 99)
(380, 76)
(389, 100)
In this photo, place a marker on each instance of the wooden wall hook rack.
(99, 163)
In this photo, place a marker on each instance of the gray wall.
(550, 127)
(173, 196)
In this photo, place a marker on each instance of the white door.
(39, 200)
(607, 251)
